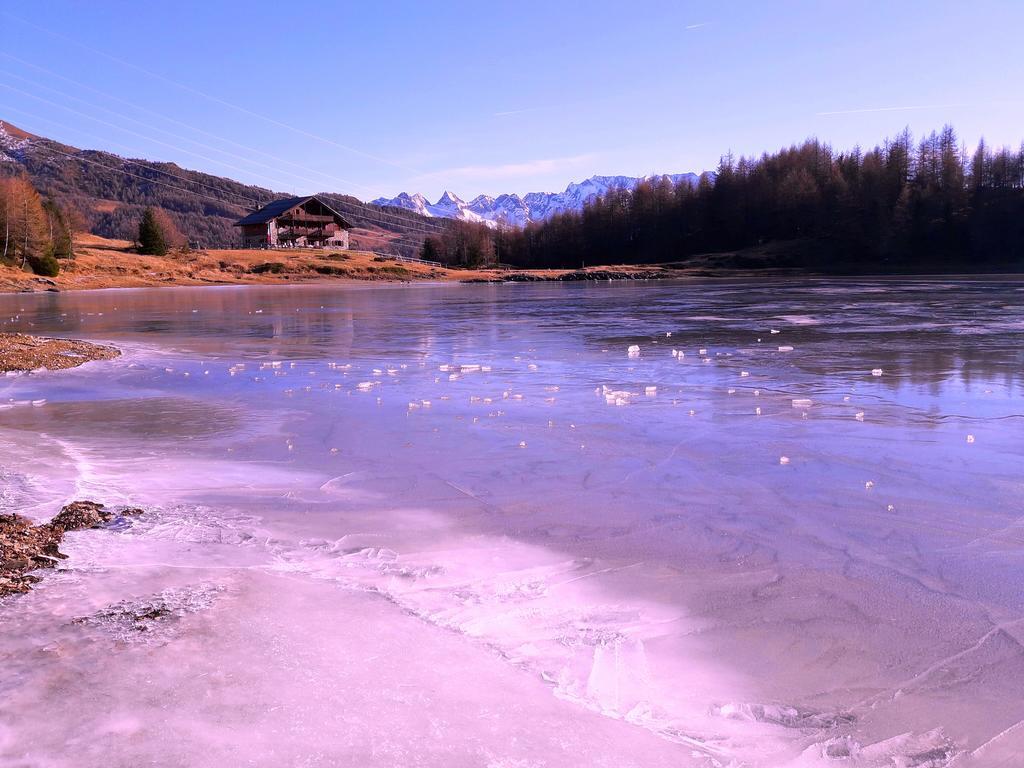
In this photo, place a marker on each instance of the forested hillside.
(106, 194)
(899, 207)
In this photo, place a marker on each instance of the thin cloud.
(868, 110)
(516, 111)
(512, 170)
(697, 26)
(547, 107)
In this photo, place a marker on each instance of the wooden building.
(297, 222)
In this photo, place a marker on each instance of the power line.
(122, 116)
(212, 98)
(368, 213)
(364, 211)
(127, 130)
(401, 240)
(175, 121)
(248, 200)
(49, 148)
(421, 226)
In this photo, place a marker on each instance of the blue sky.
(376, 98)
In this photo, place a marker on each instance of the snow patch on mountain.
(12, 142)
(516, 211)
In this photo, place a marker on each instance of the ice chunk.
(783, 459)
(633, 350)
(785, 348)
(802, 402)
(617, 397)
(876, 371)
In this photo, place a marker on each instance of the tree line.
(901, 206)
(34, 232)
(37, 233)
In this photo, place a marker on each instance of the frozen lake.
(463, 526)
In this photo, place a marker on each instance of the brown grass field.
(102, 263)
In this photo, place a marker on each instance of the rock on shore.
(21, 352)
(25, 547)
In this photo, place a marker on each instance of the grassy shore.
(102, 263)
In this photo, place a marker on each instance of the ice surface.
(455, 568)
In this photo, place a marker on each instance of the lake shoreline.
(101, 264)
(488, 277)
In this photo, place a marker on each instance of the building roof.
(272, 210)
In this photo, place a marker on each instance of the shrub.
(394, 270)
(327, 269)
(45, 265)
(273, 267)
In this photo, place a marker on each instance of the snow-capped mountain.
(448, 206)
(518, 211)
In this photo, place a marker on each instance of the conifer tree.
(431, 250)
(152, 239)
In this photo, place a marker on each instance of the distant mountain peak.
(513, 210)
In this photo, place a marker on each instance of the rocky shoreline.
(26, 547)
(579, 275)
(21, 352)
